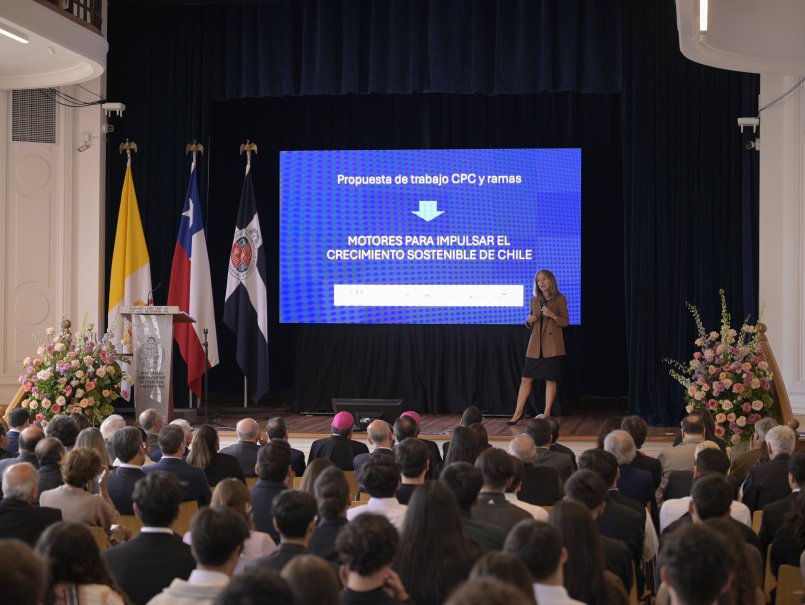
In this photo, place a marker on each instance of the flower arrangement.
(73, 374)
(728, 376)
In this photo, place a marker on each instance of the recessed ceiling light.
(703, 16)
(13, 33)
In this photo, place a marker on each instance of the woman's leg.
(550, 395)
(522, 396)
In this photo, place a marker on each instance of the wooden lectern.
(152, 365)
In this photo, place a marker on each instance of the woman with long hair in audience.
(332, 496)
(507, 568)
(610, 424)
(91, 438)
(233, 494)
(205, 455)
(435, 556)
(312, 581)
(481, 437)
(585, 577)
(77, 574)
(312, 472)
(79, 468)
(463, 447)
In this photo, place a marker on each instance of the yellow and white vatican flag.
(130, 278)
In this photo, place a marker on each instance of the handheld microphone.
(150, 296)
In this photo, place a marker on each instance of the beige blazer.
(550, 342)
(79, 506)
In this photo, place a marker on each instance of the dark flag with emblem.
(245, 308)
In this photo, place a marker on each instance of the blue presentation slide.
(428, 236)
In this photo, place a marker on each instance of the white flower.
(741, 421)
(26, 361)
(60, 400)
(46, 403)
(79, 393)
(101, 372)
(50, 331)
(79, 374)
(59, 347)
(88, 360)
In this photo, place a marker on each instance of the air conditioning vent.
(33, 116)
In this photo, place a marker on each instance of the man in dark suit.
(274, 470)
(587, 487)
(497, 469)
(774, 513)
(381, 438)
(129, 448)
(541, 484)
(558, 447)
(633, 483)
(768, 482)
(4, 453)
(466, 482)
(152, 422)
(277, 429)
(295, 520)
(249, 442)
(19, 518)
(638, 429)
(434, 456)
(18, 421)
(711, 498)
(339, 447)
(172, 442)
(148, 563)
(49, 453)
(28, 440)
(540, 431)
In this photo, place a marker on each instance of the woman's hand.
(548, 313)
(531, 319)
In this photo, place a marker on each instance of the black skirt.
(544, 368)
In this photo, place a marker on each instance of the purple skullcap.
(343, 420)
(413, 416)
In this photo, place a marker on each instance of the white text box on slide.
(428, 295)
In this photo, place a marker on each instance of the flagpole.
(245, 392)
(248, 147)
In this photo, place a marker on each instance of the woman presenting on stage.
(546, 347)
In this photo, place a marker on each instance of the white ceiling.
(59, 52)
(761, 36)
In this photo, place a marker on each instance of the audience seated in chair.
(338, 447)
(466, 481)
(381, 438)
(19, 516)
(148, 563)
(471, 415)
(681, 457)
(333, 498)
(18, 420)
(278, 430)
(540, 431)
(412, 457)
(274, 472)
(295, 520)
(172, 443)
(245, 450)
(488, 591)
(49, 452)
(129, 448)
(558, 447)
(152, 422)
(759, 454)
(313, 581)
(768, 482)
(111, 425)
(218, 535)
(638, 429)
(506, 568)
(514, 490)
(367, 547)
(76, 573)
(29, 438)
(4, 453)
(22, 573)
(434, 457)
(79, 469)
(708, 460)
(541, 484)
(312, 472)
(634, 483)
(65, 429)
(204, 454)
(463, 446)
(497, 468)
(381, 479)
(681, 482)
(256, 587)
(774, 514)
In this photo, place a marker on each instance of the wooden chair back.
(353, 484)
(789, 581)
(757, 521)
(251, 481)
(296, 482)
(769, 581)
(187, 511)
(132, 522)
(99, 534)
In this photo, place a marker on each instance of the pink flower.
(738, 388)
(763, 366)
(712, 404)
(40, 417)
(757, 405)
(55, 408)
(746, 366)
(90, 385)
(27, 387)
(68, 390)
(697, 355)
(747, 407)
(720, 432)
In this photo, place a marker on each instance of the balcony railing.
(86, 12)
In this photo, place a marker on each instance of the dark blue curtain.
(670, 194)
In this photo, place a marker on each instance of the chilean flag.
(191, 290)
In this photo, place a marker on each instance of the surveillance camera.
(753, 144)
(107, 128)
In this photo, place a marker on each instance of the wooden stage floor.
(577, 427)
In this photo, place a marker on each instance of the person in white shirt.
(218, 535)
(708, 459)
(540, 547)
(381, 479)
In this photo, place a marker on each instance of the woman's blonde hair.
(93, 439)
(233, 493)
(203, 447)
(553, 289)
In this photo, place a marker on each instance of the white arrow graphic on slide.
(428, 210)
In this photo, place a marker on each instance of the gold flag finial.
(194, 148)
(249, 148)
(128, 147)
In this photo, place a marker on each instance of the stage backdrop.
(669, 195)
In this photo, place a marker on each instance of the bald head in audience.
(522, 447)
(151, 421)
(379, 434)
(21, 482)
(49, 451)
(30, 437)
(247, 430)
